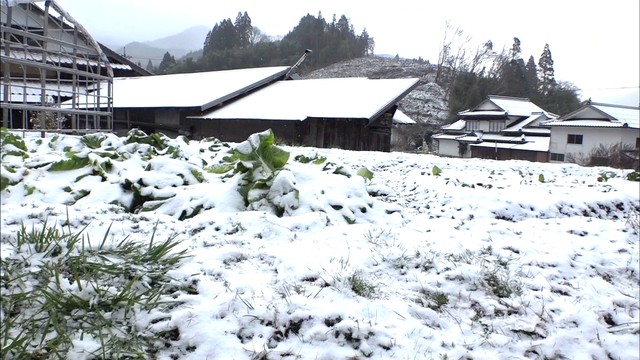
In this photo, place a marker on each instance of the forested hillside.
(470, 74)
(239, 44)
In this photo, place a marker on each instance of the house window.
(472, 125)
(557, 157)
(574, 139)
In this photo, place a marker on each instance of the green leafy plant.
(93, 141)
(336, 169)
(436, 171)
(156, 140)
(74, 162)
(7, 138)
(259, 161)
(316, 159)
(633, 176)
(365, 173)
(606, 175)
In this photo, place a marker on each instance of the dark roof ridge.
(615, 105)
(507, 97)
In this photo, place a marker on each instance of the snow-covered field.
(433, 258)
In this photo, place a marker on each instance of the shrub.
(618, 155)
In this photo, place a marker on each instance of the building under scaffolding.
(49, 58)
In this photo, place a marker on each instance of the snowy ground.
(434, 258)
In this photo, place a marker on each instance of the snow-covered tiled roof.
(443, 136)
(624, 114)
(355, 98)
(514, 106)
(601, 115)
(524, 124)
(458, 125)
(536, 130)
(496, 113)
(203, 89)
(532, 144)
(588, 123)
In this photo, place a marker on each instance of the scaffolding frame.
(54, 75)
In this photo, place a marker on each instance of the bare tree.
(257, 36)
(457, 56)
(449, 38)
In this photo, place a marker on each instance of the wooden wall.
(508, 154)
(348, 134)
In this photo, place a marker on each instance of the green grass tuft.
(60, 287)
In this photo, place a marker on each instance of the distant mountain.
(178, 45)
(190, 39)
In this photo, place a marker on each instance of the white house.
(577, 134)
(499, 127)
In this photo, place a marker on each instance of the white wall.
(448, 147)
(592, 137)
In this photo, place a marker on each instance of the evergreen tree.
(149, 66)
(513, 76)
(223, 36)
(516, 49)
(513, 79)
(561, 99)
(366, 42)
(167, 62)
(207, 40)
(531, 77)
(546, 72)
(244, 30)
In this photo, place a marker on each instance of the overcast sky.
(594, 44)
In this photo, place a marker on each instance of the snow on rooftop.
(401, 118)
(628, 115)
(203, 89)
(588, 123)
(530, 144)
(515, 106)
(496, 113)
(521, 125)
(356, 98)
(458, 125)
(601, 115)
